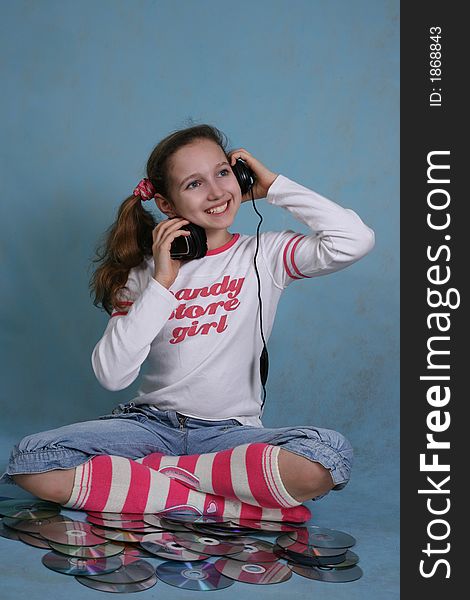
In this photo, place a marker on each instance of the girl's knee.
(55, 486)
(334, 451)
(334, 439)
(33, 443)
(344, 446)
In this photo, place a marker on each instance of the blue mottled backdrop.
(310, 88)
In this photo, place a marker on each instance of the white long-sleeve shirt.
(201, 337)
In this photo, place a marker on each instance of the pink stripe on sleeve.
(286, 266)
(292, 252)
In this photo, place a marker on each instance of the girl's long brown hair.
(129, 239)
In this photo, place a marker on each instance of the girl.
(193, 438)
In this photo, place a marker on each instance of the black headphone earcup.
(192, 246)
(197, 241)
(245, 176)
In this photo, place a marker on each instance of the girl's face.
(203, 187)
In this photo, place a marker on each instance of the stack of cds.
(320, 553)
(113, 552)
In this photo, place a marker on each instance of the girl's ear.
(164, 206)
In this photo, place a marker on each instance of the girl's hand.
(264, 177)
(166, 268)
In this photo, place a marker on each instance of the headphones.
(195, 246)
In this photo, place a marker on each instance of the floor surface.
(367, 512)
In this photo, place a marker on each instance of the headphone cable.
(264, 354)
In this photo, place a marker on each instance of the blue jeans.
(135, 431)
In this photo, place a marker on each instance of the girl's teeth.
(217, 210)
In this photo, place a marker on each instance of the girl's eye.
(190, 184)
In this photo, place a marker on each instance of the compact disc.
(33, 540)
(120, 588)
(246, 522)
(350, 559)
(181, 554)
(220, 529)
(310, 561)
(28, 509)
(231, 525)
(109, 516)
(134, 555)
(327, 573)
(117, 536)
(254, 572)
(71, 565)
(73, 533)
(32, 525)
(163, 539)
(153, 520)
(164, 545)
(172, 525)
(133, 550)
(7, 532)
(138, 570)
(202, 576)
(322, 537)
(99, 551)
(255, 551)
(281, 553)
(266, 525)
(194, 518)
(144, 530)
(286, 542)
(206, 544)
(117, 524)
(184, 510)
(342, 560)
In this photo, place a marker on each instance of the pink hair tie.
(145, 189)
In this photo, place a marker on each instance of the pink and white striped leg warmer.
(117, 484)
(248, 473)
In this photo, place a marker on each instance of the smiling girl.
(193, 438)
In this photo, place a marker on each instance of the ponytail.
(126, 243)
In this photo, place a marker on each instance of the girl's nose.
(215, 190)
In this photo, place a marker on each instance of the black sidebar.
(435, 237)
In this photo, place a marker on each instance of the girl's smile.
(220, 209)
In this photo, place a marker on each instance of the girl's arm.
(125, 344)
(339, 237)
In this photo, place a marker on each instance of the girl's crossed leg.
(44, 465)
